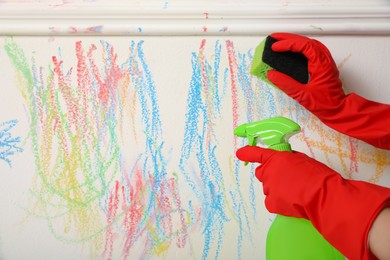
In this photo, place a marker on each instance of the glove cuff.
(360, 118)
(346, 212)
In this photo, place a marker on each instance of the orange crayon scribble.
(342, 151)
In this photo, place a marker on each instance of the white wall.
(156, 55)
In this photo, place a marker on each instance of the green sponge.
(291, 63)
(259, 68)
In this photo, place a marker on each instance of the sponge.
(290, 63)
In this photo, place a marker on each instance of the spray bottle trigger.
(252, 140)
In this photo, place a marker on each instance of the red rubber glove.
(324, 97)
(298, 186)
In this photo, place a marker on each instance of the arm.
(323, 95)
(379, 237)
(348, 213)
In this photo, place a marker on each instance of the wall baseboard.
(192, 18)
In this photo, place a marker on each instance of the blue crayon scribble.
(253, 104)
(199, 147)
(239, 73)
(9, 145)
(107, 127)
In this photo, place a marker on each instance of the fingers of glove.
(277, 205)
(287, 84)
(295, 44)
(254, 154)
(259, 173)
(280, 36)
(312, 49)
(268, 202)
(323, 48)
(284, 36)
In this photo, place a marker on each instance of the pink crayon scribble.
(86, 120)
(182, 234)
(111, 216)
(84, 87)
(133, 209)
(63, 82)
(94, 29)
(87, 30)
(233, 67)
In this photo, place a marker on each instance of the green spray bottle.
(288, 238)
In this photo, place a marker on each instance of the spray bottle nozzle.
(272, 132)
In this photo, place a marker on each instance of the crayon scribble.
(9, 144)
(97, 139)
(239, 65)
(199, 145)
(260, 101)
(102, 176)
(253, 100)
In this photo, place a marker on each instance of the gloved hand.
(298, 186)
(324, 97)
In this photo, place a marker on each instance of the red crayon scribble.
(84, 89)
(81, 145)
(233, 68)
(66, 93)
(306, 140)
(108, 86)
(206, 89)
(103, 93)
(113, 72)
(164, 207)
(111, 215)
(134, 211)
(182, 233)
(94, 29)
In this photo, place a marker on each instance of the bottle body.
(297, 239)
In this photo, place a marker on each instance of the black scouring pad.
(290, 63)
